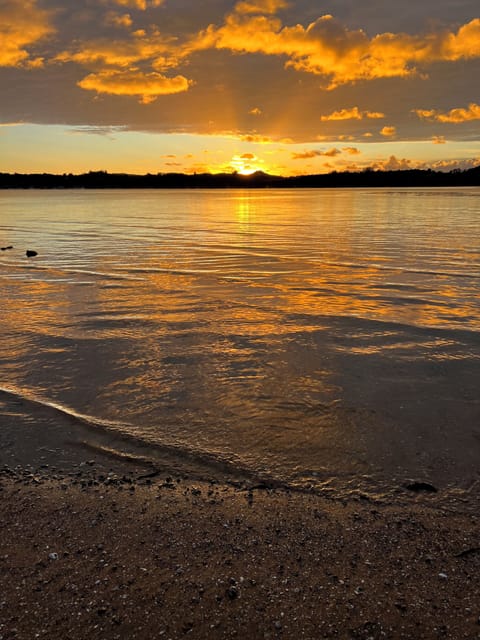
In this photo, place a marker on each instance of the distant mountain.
(259, 179)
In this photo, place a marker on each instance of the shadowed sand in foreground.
(95, 548)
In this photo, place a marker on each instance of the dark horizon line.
(368, 177)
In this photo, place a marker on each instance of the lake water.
(322, 338)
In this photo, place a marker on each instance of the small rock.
(53, 556)
(421, 486)
(232, 592)
(30, 253)
(443, 576)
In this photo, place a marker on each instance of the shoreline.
(106, 549)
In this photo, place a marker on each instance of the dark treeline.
(367, 178)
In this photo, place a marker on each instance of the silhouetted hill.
(366, 178)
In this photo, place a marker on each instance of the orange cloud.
(22, 24)
(351, 114)
(330, 153)
(393, 164)
(139, 4)
(305, 155)
(438, 140)
(353, 151)
(255, 112)
(260, 6)
(255, 138)
(326, 47)
(118, 20)
(454, 115)
(388, 132)
(123, 53)
(146, 86)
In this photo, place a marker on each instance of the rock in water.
(31, 254)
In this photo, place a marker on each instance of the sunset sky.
(283, 86)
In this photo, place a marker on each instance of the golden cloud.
(439, 140)
(328, 48)
(305, 155)
(255, 138)
(388, 132)
(118, 20)
(393, 164)
(139, 4)
(351, 114)
(330, 153)
(22, 24)
(353, 151)
(146, 86)
(260, 6)
(123, 53)
(472, 112)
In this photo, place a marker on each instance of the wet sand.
(108, 549)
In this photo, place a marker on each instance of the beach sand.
(92, 548)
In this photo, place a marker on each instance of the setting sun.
(245, 164)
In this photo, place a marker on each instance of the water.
(322, 338)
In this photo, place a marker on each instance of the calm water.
(320, 337)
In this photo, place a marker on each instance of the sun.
(245, 164)
(247, 171)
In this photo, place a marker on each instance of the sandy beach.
(110, 550)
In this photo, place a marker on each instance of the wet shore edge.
(96, 546)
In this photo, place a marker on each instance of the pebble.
(232, 592)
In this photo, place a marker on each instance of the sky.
(283, 86)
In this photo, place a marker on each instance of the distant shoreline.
(259, 180)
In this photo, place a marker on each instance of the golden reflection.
(244, 213)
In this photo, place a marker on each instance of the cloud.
(260, 6)
(139, 4)
(305, 155)
(248, 156)
(388, 132)
(107, 131)
(449, 165)
(353, 151)
(351, 114)
(401, 164)
(393, 164)
(122, 52)
(118, 20)
(438, 140)
(255, 138)
(22, 24)
(146, 86)
(328, 48)
(255, 112)
(456, 116)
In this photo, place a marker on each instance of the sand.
(97, 550)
